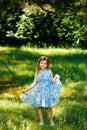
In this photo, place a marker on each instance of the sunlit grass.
(17, 72)
(74, 88)
(54, 51)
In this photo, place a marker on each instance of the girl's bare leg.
(40, 115)
(50, 111)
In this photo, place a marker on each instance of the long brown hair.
(42, 58)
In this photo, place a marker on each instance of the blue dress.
(46, 93)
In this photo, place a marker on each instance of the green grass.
(17, 67)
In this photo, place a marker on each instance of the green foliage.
(44, 32)
(24, 26)
(9, 17)
(69, 31)
(65, 27)
(41, 30)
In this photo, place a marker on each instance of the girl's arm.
(55, 77)
(31, 86)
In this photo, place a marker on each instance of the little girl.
(44, 91)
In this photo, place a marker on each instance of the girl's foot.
(52, 123)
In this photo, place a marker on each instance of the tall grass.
(17, 72)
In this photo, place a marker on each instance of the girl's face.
(43, 64)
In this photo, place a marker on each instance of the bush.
(21, 27)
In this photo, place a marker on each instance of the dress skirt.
(45, 93)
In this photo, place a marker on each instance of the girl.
(44, 91)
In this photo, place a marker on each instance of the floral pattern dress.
(46, 93)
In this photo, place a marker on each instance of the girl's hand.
(23, 91)
(57, 76)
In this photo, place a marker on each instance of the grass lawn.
(17, 67)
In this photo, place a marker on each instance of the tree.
(67, 21)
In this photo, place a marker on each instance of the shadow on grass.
(10, 72)
(70, 66)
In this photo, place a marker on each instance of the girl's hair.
(42, 58)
